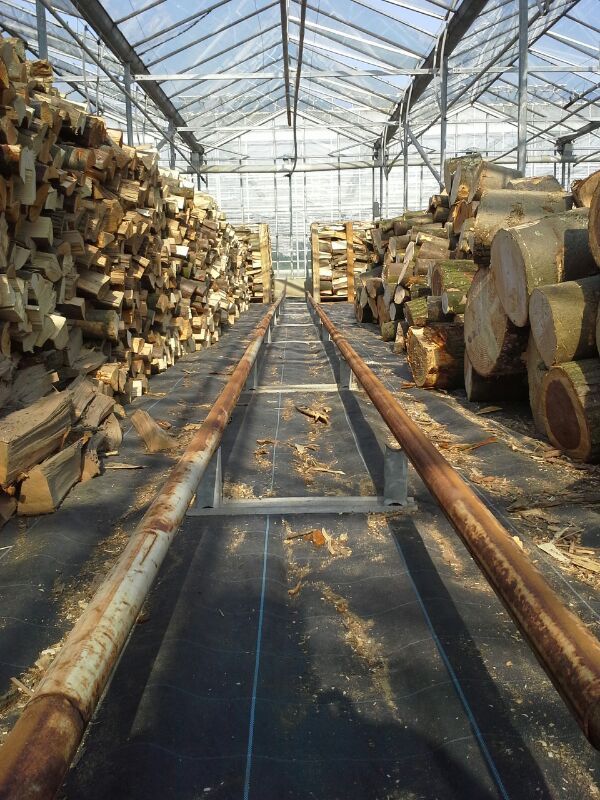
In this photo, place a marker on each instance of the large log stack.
(110, 269)
(520, 266)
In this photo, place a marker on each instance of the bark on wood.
(504, 208)
(495, 346)
(415, 312)
(539, 183)
(151, 433)
(435, 312)
(563, 320)
(435, 355)
(388, 330)
(571, 408)
(551, 250)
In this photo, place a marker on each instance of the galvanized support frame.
(522, 95)
(443, 63)
(128, 109)
(93, 12)
(42, 33)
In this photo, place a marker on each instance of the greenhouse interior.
(299, 399)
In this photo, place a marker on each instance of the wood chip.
(552, 550)
(293, 592)
(316, 414)
(489, 410)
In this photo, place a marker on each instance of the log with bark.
(494, 344)
(435, 355)
(506, 208)
(563, 320)
(551, 250)
(570, 407)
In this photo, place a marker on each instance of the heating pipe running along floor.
(40, 748)
(565, 647)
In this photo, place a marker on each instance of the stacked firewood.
(110, 269)
(340, 252)
(254, 252)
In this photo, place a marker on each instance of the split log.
(400, 341)
(494, 344)
(47, 484)
(536, 371)
(415, 312)
(465, 177)
(29, 435)
(550, 250)
(435, 355)
(563, 320)
(482, 390)
(504, 208)
(153, 436)
(571, 408)
(97, 411)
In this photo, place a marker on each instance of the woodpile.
(506, 285)
(340, 252)
(110, 270)
(254, 253)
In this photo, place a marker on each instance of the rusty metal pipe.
(38, 751)
(564, 646)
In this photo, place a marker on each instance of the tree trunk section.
(571, 408)
(563, 320)
(506, 208)
(550, 250)
(495, 346)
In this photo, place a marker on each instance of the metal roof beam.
(205, 38)
(202, 13)
(93, 12)
(464, 16)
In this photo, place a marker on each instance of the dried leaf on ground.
(265, 441)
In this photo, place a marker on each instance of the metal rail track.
(566, 649)
(40, 748)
